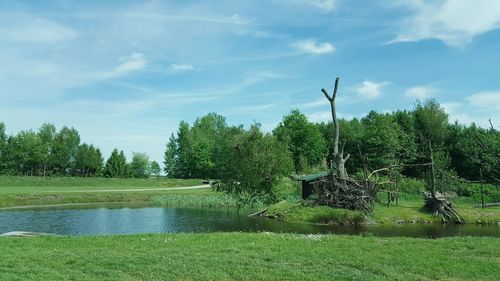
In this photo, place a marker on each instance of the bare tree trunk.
(338, 156)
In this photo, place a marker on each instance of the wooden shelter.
(308, 181)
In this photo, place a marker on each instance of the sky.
(125, 73)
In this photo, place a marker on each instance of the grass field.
(408, 210)
(243, 256)
(21, 191)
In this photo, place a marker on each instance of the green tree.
(431, 124)
(255, 163)
(27, 153)
(88, 161)
(116, 165)
(47, 133)
(183, 163)
(65, 147)
(3, 148)
(380, 140)
(304, 140)
(139, 167)
(207, 134)
(170, 157)
(155, 168)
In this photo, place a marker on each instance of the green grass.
(17, 184)
(244, 256)
(297, 212)
(409, 210)
(203, 200)
(22, 191)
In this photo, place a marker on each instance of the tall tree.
(27, 152)
(116, 165)
(170, 157)
(66, 143)
(139, 167)
(47, 133)
(338, 155)
(254, 164)
(3, 148)
(303, 138)
(155, 168)
(184, 153)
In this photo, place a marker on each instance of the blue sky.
(125, 73)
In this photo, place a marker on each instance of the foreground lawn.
(241, 256)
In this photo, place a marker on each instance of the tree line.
(48, 152)
(212, 149)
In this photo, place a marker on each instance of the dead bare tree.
(338, 156)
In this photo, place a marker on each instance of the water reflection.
(100, 221)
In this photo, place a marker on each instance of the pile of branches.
(438, 204)
(345, 193)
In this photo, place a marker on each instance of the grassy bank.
(297, 212)
(241, 256)
(40, 184)
(22, 191)
(407, 211)
(199, 200)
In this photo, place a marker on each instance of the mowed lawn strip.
(22, 191)
(246, 256)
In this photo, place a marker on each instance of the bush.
(287, 189)
(473, 190)
(412, 186)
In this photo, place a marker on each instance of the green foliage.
(304, 140)
(287, 189)
(88, 161)
(473, 148)
(431, 122)
(116, 165)
(211, 200)
(155, 168)
(491, 193)
(411, 186)
(255, 164)
(140, 166)
(170, 157)
(298, 212)
(63, 153)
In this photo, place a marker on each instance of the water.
(126, 220)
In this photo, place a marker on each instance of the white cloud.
(326, 116)
(33, 30)
(316, 103)
(420, 92)
(455, 22)
(313, 47)
(323, 5)
(485, 101)
(182, 67)
(369, 89)
(477, 108)
(321, 116)
(128, 64)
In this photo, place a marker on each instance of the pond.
(127, 220)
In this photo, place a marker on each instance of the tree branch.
(326, 95)
(335, 88)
